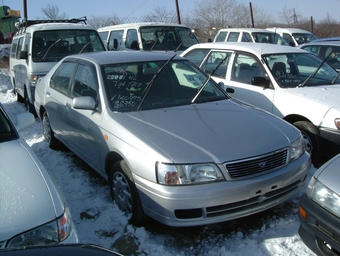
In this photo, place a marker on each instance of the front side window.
(246, 37)
(84, 82)
(269, 38)
(53, 45)
(157, 84)
(115, 40)
(14, 48)
(132, 39)
(221, 37)
(302, 38)
(62, 76)
(245, 67)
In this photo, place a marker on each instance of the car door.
(84, 134)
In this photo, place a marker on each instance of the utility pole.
(25, 9)
(178, 14)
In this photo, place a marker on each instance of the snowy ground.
(99, 221)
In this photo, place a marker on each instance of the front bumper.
(330, 142)
(320, 230)
(194, 205)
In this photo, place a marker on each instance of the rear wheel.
(125, 194)
(48, 133)
(312, 140)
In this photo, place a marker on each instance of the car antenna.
(158, 38)
(315, 71)
(147, 88)
(207, 79)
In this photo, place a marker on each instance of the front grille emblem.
(263, 164)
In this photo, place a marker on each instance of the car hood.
(329, 174)
(326, 95)
(25, 199)
(214, 132)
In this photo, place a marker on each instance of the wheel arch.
(295, 117)
(110, 160)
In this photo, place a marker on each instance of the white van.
(147, 36)
(39, 44)
(249, 35)
(294, 36)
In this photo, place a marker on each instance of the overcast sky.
(133, 8)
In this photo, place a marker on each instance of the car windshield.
(7, 132)
(164, 38)
(157, 84)
(53, 45)
(302, 38)
(300, 69)
(269, 38)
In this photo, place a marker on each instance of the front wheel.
(125, 194)
(29, 106)
(311, 137)
(48, 133)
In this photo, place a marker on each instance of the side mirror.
(85, 102)
(115, 44)
(260, 81)
(134, 45)
(23, 55)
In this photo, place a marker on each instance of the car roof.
(289, 30)
(55, 26)
(255, 48)
(326, 39)
(141, 24)
(337, 43)
(111, 57)
(245, 29)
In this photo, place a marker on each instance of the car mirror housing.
(260, 81)
(85, 102)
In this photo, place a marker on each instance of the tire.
(29, 106)
(312, 140)
(19, 98)
(124, 193)
(48, 133)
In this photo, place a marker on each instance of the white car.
(289, 82)
(33, 209)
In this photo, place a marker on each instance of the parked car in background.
(325, 50)
(39, 44)
(319, 210)
(294, 36)
(289, 82)
(147, 36)
(33, 209)
(171, 143)
(326, 39)
(250, 35)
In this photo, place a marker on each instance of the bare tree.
(161, 14)
(289, 16)
(52, 12)
(102, 21)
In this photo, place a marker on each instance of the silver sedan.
(171, 143)
(33, 209)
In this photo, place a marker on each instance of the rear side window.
(196, 56)
(233, 36)
(214, 60)
(62, 76)
(221, 37)
(14, 48)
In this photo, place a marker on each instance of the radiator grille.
(257, 165)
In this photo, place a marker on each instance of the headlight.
(297, 148)
(324, 196)
(51, 233)
(187, 174)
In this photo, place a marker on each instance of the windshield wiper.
(49, 48)
(207, 79)
(82, 49)
(158, 38)
(315, 71)
(182, 41)
(147, 88)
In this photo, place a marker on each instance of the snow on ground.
(99, 221)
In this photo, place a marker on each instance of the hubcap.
(122, 193)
